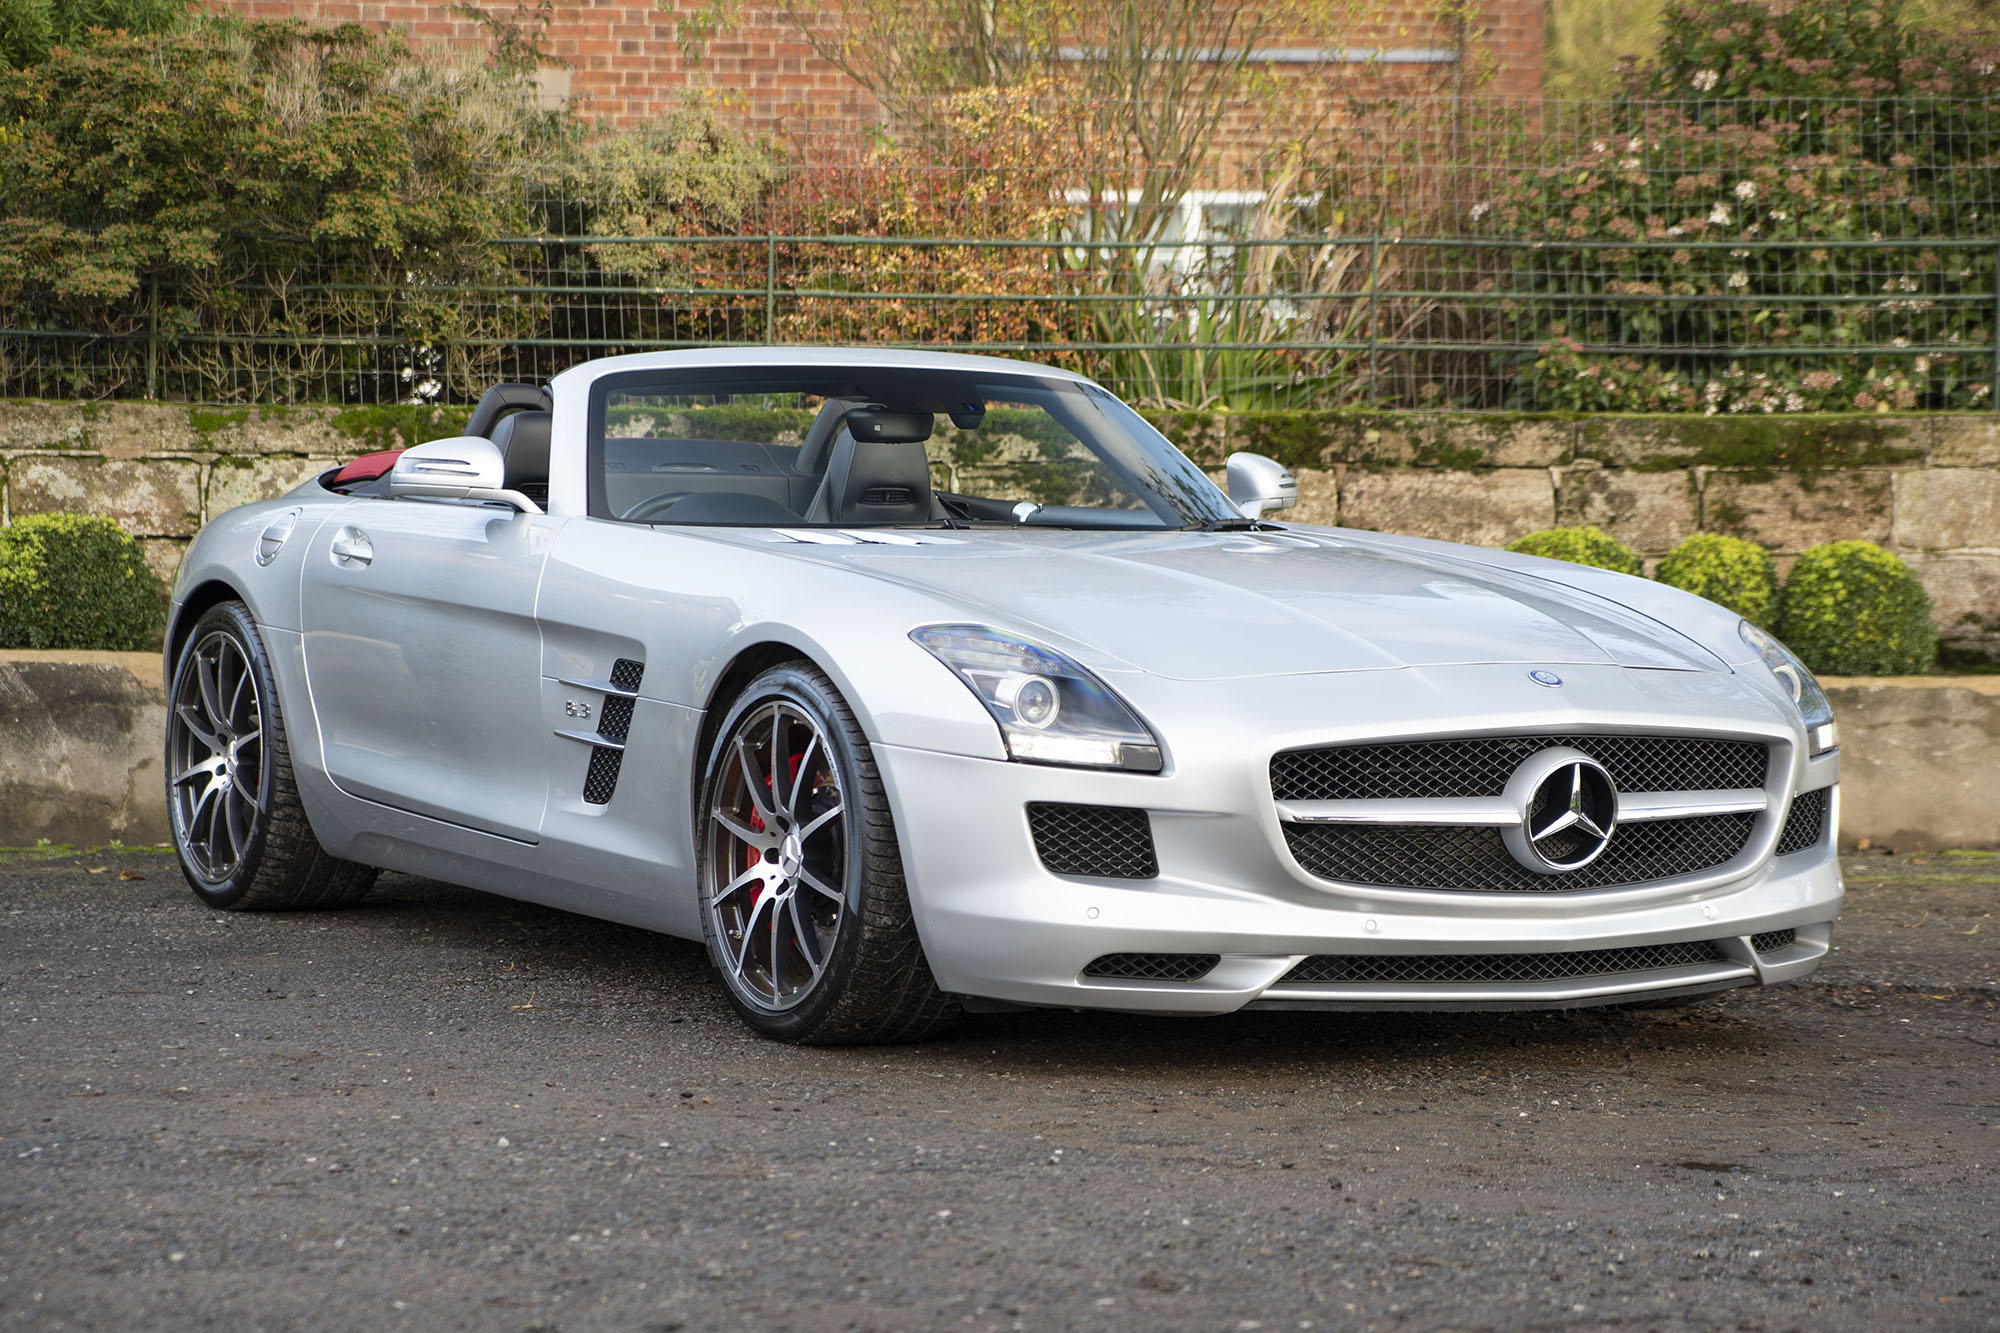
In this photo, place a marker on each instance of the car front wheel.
(240, 831)
(803, 902)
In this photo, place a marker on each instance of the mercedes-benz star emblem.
(1548, 678)
(1569, 809)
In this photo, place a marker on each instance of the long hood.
(1200, 606)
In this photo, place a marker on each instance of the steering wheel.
(652, 507)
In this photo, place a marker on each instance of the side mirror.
(1260, 485)
(462, 468)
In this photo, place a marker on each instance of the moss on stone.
(206, 421)
(400, 425)
(1763, 445)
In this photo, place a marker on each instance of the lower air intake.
(1771, 941)
(1805, 822)
(1430, 969)
(1153, 966)
(1108, 841)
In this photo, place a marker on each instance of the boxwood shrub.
(1737, 574)
(76, 581)
(1853, 609)
(1588, 545)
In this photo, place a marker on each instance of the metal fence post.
(1993, 399)
(153, 336)
(1374, 281)
(770, 287)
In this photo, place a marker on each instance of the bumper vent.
(1481, 765)
(1153, 966)
(1432, 969)
(1474, 860)
(614, 721)
(1109, 841)
(1773, 940)
(1805, 822)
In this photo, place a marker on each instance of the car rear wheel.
(802, 895)
(240, 831)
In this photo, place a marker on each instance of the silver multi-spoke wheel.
(239, 826)
(777, 855)
(802, 894)
(215, 757)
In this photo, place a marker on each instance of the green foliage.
(75, 581)
(1586, 545)
(29, 29)
(1853, 609)
(1737, 161)
(1735, 573)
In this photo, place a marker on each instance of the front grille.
(1105, 840)
(1481, 765)
(1805, 822)
(1430, 969)
(1153, 966)
(1474, 860)
(1771, 941)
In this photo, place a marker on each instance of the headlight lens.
(1050, 710)
(1821, 735)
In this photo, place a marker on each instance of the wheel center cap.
(791, 855)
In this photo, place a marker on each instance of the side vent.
(614, 722)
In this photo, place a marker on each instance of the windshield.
(762, 446)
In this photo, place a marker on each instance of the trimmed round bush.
(1726, 570)
(1588, 545)
(1853, 609)
(75, 581)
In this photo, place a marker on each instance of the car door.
(424, 660)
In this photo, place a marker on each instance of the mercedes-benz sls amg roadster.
(913, 683)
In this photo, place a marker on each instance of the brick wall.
(623, 66)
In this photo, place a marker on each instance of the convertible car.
(913, 683)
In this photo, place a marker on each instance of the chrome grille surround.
(1407, 843)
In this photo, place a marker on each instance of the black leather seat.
(523, 440)
(874, 481)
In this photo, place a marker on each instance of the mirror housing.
(1260, 485)
(880, 424)
(464, 467)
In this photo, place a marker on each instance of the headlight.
(1050, 710)
(1821, 735)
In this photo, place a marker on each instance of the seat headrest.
(880, 482)
(523, 440)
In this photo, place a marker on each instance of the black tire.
(239, 829)
(842, 962)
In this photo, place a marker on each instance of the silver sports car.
(914, 682)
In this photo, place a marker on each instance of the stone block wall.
(1927, 487)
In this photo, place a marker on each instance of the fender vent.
(614, 722)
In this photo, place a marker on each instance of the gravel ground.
(444, 1109)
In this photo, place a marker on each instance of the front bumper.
(996, 924)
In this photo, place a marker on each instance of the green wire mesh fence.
(1431, 254)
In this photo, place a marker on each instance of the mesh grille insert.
(1474, 860)
(614, 718)
(602, 779)
(1420, 969)
(1106, 840)
(1481, 765)
(1153, 966)
(626, 674)
(1771, 941)
(1804, 822)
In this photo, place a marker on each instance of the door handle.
(351, 548)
